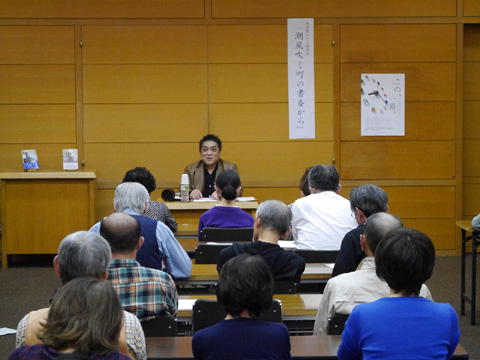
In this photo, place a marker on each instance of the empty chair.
(160, 326)
(226, 234)
(206, 313)
(284, 287)
(336, 324)
(208, 254)
(318, 256)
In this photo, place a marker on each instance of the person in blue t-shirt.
(403, 325)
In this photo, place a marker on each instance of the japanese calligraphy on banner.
(301, 81)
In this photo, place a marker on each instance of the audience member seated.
(83, 254)
(304, 191)
(145, 292)
(160, 249)
(85, 319)
(202, 174)
(476, 222)
(272, 221)
(155, 210)
(226, 214)
(321, 220)
(245, 289)
(365, 200)
(345, 291)
(403, 325)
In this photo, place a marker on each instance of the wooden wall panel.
(398, 160)
(37, 123)
(471, 39)
(441, 231)
(144, 84)
(104, 202)
(424, 81)
(144, 44)
(264, 122)
(398, 43)
(261, 44)
(330, 8)
(471, 154)
(471, 114)
(418, 121)
(49, 156)
(471, 197)
(102, 9)
(471, 8)
(262, 83)
(36, 45)
(166, 161)
(37, 84)
(151, 122)
(286, 194)
(471, 90)
(276, 164)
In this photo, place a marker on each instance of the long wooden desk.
(294, 306)
(207, 274)
(40, 208)
(466, 226)
(302, 347)
(188, 214)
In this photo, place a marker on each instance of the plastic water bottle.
(184, 188)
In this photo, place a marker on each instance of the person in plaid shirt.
(145, 292)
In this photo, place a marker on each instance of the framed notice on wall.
(383, 105)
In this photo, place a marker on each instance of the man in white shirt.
(321, 220)
(345, 291)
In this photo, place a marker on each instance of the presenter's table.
(302, 347)
(466, 226)
(188, 214)
(40, 208)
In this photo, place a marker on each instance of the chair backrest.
(208, 254)
(284, 287)
(206, 313)
(336, 324)
(318, 256)
(226, 234)
(164, 325)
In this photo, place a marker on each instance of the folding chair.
(160, 326)
(208, 254)
(226, 234)
(284, 287)
(336, 324)
(318, 256)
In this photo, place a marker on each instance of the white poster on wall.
(301, 81)
(383, 105)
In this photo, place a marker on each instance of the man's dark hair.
(122, 232)
(304, 187)
(405, 260)
(143, 176)
(369, 198)
(211, 137)
(228, 181)
(245, 283)
(378, 226)
(324, 178)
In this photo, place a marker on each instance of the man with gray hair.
(344, 292)
(84, 254)
(160, 250)
(321, 220)
(365, 201)
(272, 222)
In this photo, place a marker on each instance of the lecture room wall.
(132, 85)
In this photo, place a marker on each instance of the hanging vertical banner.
(301, 81)
(383, 104)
